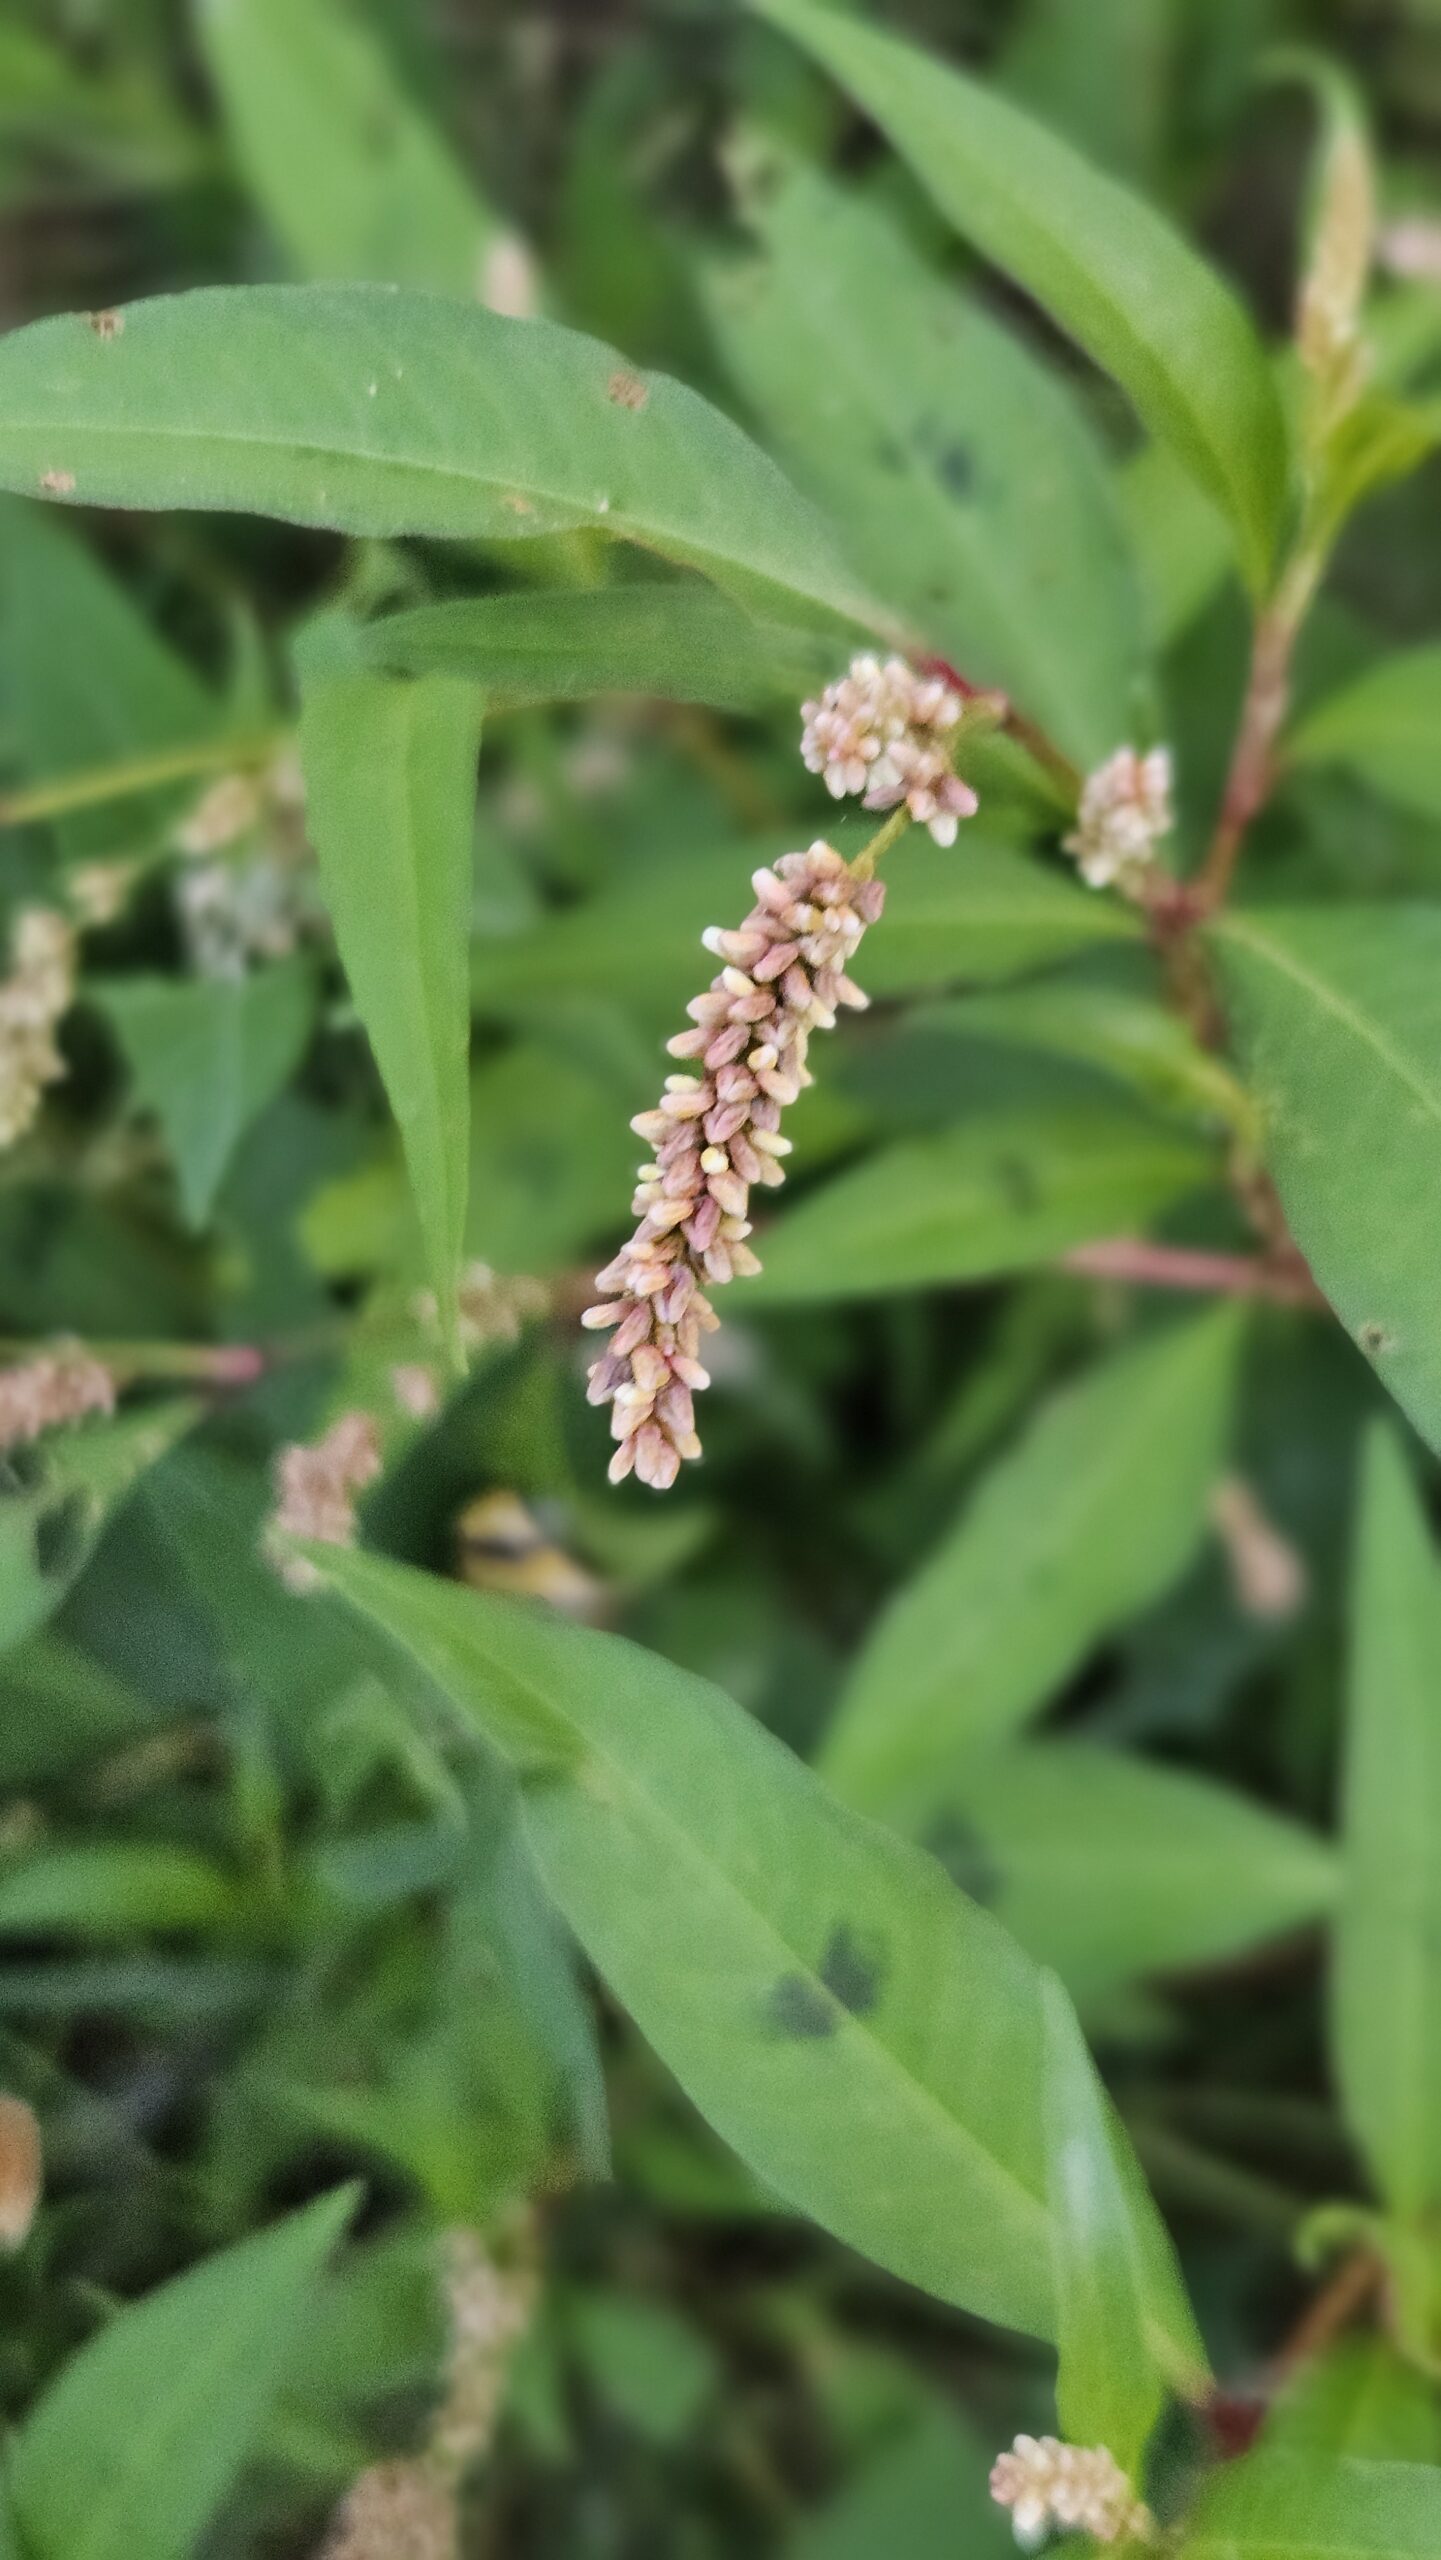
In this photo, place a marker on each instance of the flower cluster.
(1046, 2483)
(32, 999)
(1125, 810)
(410, 2510)
(317, 1483)
(492, 1306)
(784, 975)
(255, 904)
(56, 1387)
(889, 734)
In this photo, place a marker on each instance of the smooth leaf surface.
(206, 1055)
(1110, 1868)
(680, 641)
(1090, 1517)
(130, 2453)
(864, 2037)
(1280, 2506)
(1362, 2397)
(350, 175)
(1107, 269)
(966, 483)
(1107, 2246)
(384, 412)
(87, 681)
(906, 2498)
(1386, 727)
(1338, 1017)
(1387, 1987)
(1000, 1193)
(390, 782)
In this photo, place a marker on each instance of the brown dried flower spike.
(784, 977)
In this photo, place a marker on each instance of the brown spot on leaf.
(57, 484)
(518, 504)
(1374, 1338)
(627, 390)
(106, 324)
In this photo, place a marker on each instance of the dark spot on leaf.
(1017, 1184)
(627, 390)
(956, 469)
(968, 1860)
(1375, 1339)
(853, 1973)
(798, 2009)
(106, 324)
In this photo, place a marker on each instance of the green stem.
(123, 781)
(881, 842)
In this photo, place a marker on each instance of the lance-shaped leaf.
(1108, 270)
(385, 412)
(998, 1193)
(1095, 1512)
(206, 1056)
(132, 2450)
(1111, 2258)
(350, 175)
(680, 641)
(1110, 1867)
(1387, 1993)
(1386, 727)
(390, 782)
(1338, 1018)
(1285, 2506)
(970, 492)
(864, 2037)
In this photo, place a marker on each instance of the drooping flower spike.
(714, 1136)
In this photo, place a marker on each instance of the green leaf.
(1384, 728)
(206, 1055)
(1107, 269)
(798, 1969)
(1281, 2506)
(49, 1526)
(1361, 2397)
(131, 2452)
(101, 1889)
(1387, 1989)
(1104, 76)
(87, 681)
(1182, 544)
(998, 1193)
(351, 177)
(1128, 1036)
(1338, 1018)
(651, 2366)
(680, 641)
(1110, 2255)
(383, 412)
(908, 2497)
(968, 489)
(1091, 1517)
(390, 794)
(1111, 1868)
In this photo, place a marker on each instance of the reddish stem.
(1284, 1281)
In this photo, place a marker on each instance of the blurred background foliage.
(263, 1921)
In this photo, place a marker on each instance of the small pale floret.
(886, 734)
(317, 1483)
(1125, 811)
(1079, 2488)
(33, 998)
(57, 1387)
